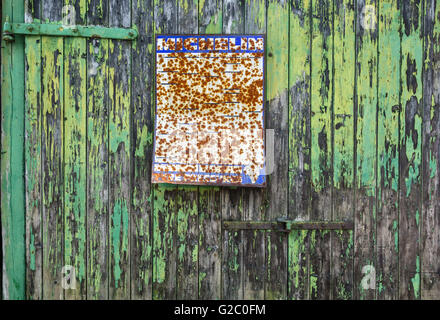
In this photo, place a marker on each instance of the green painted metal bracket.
(46, 29)
(285, 225)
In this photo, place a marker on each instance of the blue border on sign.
(246, 181)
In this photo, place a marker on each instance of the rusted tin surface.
(209, 127)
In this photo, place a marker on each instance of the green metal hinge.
(285, 225)
(47, 29)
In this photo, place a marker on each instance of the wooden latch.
(285, 225)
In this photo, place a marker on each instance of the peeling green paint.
(416, 279)
(119, 236)
(277, 49)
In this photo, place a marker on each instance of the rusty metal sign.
(209, 127)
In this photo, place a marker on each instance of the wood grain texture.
(366, 104)
(75, 100)
(187, 242)
(52, 160)
(210, 239)
(387, 262)
(119, 153)
(299, 196)
(164, 244)
(34, 241)
(430, 224)
(233, 16)
(210, 16)
(277, 84)
(321, 145)
(232, 249)
(343, 146)
(164, 204)
(187, 19)
(232, 246)
(98, 156)
(143, 61)
(52, 156)
(410, 148)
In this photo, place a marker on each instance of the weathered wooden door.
(77, 151)
(353, 97)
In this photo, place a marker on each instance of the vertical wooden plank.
(75, 108)
(387, 267)
(321, 145)
(34, 239)
(254, 244)
(232, 246)
(277, 119)
(209, 243)
(210, 16)
(187, 16)
(255, 17)
(142, 96)
(233, 271)
(164, 220)
(52, 130)
(299, 144)
(187, 242)
(233, 16)
(410, 148)
(210, 234)
(97, 156)
(319, 265)
(165, 16)
(164, 243)
(342, 246)
(52, 160)
(51, 10)
(298, 260)
(119, 152)
(12, 159)
(254, 264)
(343, 152)
(430, 250)
(187, 196)
(366, 112)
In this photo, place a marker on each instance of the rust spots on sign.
(209, 110)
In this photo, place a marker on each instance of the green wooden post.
(12, 159)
